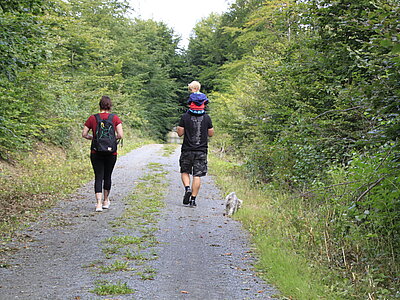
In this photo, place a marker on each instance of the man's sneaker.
(192, 203)
(186, 197)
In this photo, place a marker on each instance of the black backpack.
(105, 139)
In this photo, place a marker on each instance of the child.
(197, 101)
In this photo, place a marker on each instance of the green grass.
(35, 182)
(147, 273)
(292, 272)
(124, 240)
(134, 251)
(168, 149)
(266, 214)
(116, 266)
(137, 256)
(104, 288)
(114, 249)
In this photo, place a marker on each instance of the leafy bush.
(361, 222)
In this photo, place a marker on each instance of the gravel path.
(201, 253)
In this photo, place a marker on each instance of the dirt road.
(198, 254)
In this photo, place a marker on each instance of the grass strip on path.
(131, 249)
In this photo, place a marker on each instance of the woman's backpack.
(104, 140)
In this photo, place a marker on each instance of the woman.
(103, 162)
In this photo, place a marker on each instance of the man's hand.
(210, 132)
(180, 130)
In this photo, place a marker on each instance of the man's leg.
(186, 183)
(185, 162)
(199, 170)
(185, 179)
(196, 185)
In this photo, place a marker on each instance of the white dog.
(232, 204)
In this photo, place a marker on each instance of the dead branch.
(370, 188)
(333, 185)
(335, 110)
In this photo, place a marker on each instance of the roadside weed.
(116, 266)
(168, 149)
(137, 256)
(104, 288)
(111, 250)
(123, 240)
(147, 273)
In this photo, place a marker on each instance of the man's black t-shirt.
(196, 131)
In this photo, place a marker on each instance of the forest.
(304, 96)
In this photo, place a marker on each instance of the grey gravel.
(201, 253)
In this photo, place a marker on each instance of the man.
(195, 130)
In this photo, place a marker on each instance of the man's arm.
(210, 131)
(180, 130)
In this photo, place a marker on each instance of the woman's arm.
(120, 132)
(85, 133)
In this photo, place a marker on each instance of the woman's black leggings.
(103, 165)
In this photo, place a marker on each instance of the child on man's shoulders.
(197, 100)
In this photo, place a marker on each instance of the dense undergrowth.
(313, 246)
